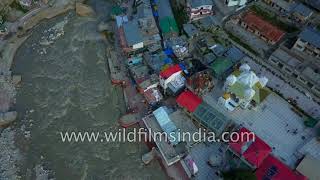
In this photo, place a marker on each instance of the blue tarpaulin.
(168, 61)
(182, 66)
(168, 51)
(155, 14)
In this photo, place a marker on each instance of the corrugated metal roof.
(169, 71)
(162, 117)
(164, 9)
(221, 65)
(264, 27)
(132, 33)
(255, 152)
(211, 118)
(311, 35)
(189, 101)
(168, 25)
(272, 168)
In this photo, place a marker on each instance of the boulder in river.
(7, 118)
(16, 79)
(104, 27)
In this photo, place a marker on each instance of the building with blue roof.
(301, 13)
(167, 22)
(162, 117)
(309, 42)
(133, 35)
(314, 3)
(234, 54)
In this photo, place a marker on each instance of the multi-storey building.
(283, 6)
(261, 28)
(199, 8)
(236, 2)
(304, 70)
(309, 42)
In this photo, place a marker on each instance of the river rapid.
(66, 87)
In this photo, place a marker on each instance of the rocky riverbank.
(65, 87)
(11, 156)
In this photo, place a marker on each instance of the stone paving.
(275, 123)
(200, 154)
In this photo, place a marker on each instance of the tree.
(239, 174)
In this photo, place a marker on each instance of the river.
(66, 87)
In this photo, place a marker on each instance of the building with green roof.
(221, 67)
(116, 11)
(167, 22)
(211, 118)
(168, 26)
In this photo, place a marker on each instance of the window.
(298, 46)
(288, 70)
(309, 84)
(274, 61)
(317, 89)
(302, 80)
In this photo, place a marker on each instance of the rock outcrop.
(16, 79)
(84, 10)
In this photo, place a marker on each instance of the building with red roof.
(189, 101)
(274, 169)
(165, 74)
(203, 113)
(250, 148)
(261, 28)
(172, 78)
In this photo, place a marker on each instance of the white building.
(244, 88)
(199, 8)
(172, 78)
(236, 2)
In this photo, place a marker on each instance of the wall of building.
(295, 74)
